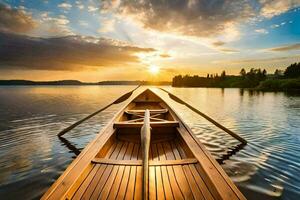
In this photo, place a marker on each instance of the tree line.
(251, 79)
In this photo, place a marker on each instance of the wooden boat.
(145, 152)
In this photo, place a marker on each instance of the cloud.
(16, 21)
(286, 47)
(262, 60)
(189, 18)
(227, 50)
(53, 25)
(66, 6)
(218, 43)
(270, 8)
(107, 25)
(275, 26)
(92, 8)
(197, 18)
(164, 55)
(65, 53)
(262, 31)
(79, 5)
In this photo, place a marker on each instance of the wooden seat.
(139, 162)
(158, 111)
(152, 124)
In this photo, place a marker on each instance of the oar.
(177, 99)
(145, 142)
(117, 101)
(70, 146)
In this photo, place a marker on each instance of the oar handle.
(118, 100)
(236, 136)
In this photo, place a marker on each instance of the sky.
(98, 40)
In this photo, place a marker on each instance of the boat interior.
(114, 165)
(117, 169)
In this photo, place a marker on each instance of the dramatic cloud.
(197, 17)
(65, 53)
(192, 18)
(13, 20)
(286, 47)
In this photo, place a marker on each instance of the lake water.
(32, 157)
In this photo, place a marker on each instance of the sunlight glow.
(154, 69)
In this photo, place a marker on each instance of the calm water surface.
(32, 157)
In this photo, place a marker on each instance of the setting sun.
(154, 69)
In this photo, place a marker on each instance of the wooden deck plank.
(114, 189)
(84, 185)
(192, 183)
(114, 150)
(205, 190)
(168, 176)
(138, 183)
(152, 183)
(132, 178)
(93, 184)
(178, 172)
(122, 151)
(175, 150)
(182, 182)
(131, 184)
(117, 182)
(152, 178)
(159, 183)
(109, 183)
(187, 173)
(97, 185)
(139, 178)
(200, 183)
(124, 184)
(215, 180)
(180, 149)
(126, 173)
(184, 151)
(78, 194)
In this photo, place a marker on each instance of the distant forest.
(255, 78)
(75, 82)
